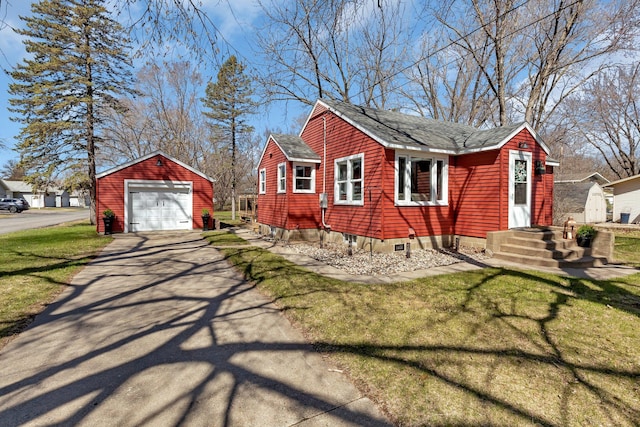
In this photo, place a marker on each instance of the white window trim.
(336, 192)
(312, 190)
(407, 190)
(282, 176)
(262, 177)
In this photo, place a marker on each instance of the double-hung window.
(349, 182)
(421, 180)
(282, 178)
(304, 179)
(262, 185)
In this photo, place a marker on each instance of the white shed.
(626, 199)
(584, 201)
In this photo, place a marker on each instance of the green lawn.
(627, 248)
(489, 347)
(36, 265)
(225, 218)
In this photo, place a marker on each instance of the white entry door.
(519, 189)
(159, 210)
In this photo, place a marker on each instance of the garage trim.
(160, 185)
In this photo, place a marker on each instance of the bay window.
(421, 180)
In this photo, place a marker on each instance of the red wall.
(478, 188)
(285, 210)
(110, 189)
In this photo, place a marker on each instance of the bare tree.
(167, 116)
(528, 56)
(345, 50)
(606, 114)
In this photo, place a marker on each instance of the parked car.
(14, 205)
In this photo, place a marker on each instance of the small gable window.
(262, 185)
(282, 178)
(421, 180)
(349, 182)
(305, 178)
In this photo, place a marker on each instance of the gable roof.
(16, 186)
(623, 180)
(147, 157)
(581, 177)
(295, 149)
(404, 131)
(573, 195)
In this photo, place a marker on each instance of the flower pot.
(108, 224)
(584, 242)
(205, 222)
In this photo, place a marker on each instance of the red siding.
(110, 189)
(344, 140)
(478, 188)
(285, 210)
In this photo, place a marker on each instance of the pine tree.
(229, 103)
(76, 68)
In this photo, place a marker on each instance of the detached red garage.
(154, 192)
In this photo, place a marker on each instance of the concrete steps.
(545, 248)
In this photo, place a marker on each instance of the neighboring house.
(584, 201)
(378, 177)
(17, 189)
(49, 197)
(154, 192)
(626, 199)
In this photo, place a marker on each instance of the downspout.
(324, 199)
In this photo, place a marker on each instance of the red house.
(154, 192)
(379, 178)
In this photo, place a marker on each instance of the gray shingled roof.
(399, 129)
(295, 148)
(573, 195)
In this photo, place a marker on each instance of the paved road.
(38, 218)
(160, 330)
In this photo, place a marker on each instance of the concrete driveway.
(160, 330)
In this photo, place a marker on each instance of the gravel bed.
(365, 263)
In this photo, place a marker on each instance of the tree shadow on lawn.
(173, 341)
(527, 356)
(536, 351)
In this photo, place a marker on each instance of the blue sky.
(235, 19)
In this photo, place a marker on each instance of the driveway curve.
(160, 330)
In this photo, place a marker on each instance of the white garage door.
(155, 209)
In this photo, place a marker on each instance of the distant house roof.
(17, 186)
(573, 195)
(623, 180)
(295, 149)
(404, 131)
(582, 177)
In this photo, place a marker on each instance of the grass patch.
(225, 218)
(627, 248)
(223, 238)
(488, 347)
(36, 265)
